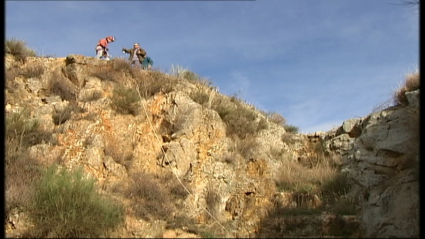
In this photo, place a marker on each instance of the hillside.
(169, 156)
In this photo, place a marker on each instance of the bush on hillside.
(151, 199)
(276, 118)
(20, 169)
(155, 82)
(241, 121)
(291, 129)
(125, 100)
(22, 131)
(66, 205)
(32, 71)
(18, 49)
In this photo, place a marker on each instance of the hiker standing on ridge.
(102, 47)
(137, 54)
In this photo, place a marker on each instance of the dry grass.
(91, 95)
(125, 100)
(200, 96)
(294, 177)
(19, 49)
(176, 189)
(20, 169)
(61, 86)
(32, 70)
(151, 199)
(213, 201)
(411, 83)
(11, 74)
(246, 147)
(276, 118)
(155, 82)
(119, 154)
(60, 116)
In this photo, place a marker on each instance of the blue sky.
(317, 63)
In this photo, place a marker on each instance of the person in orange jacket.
(102, 47)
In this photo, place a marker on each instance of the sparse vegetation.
(154, 82)
(213, 201)
(336, 186)
(91, 95)
(276, 118)
(19, 49)
(60, 116)
(20, 169)
(245, 147)
(199, 96)
(411, 83)
(66, 205)
(240, 120)
(125, 100)
(150, 198)
(22, 131)
(291, 129)
(32, 71)
(61, 86)
(294, 177)
(173, 186)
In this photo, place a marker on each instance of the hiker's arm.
(125, 50)
(141, 52)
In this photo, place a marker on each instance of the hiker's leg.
(99, 52)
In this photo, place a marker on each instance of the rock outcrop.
(228, 183)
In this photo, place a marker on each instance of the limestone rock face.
(383, 161)
(230, 181)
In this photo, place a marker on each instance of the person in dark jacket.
(137, 54)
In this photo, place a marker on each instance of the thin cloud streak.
(314, 62)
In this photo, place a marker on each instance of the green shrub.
(66, 205)
(18, 49)
(199, 96)
(23, 131)
(222, 106)
(239, 118)
(125, 100)
(336, 186)
(291, 129)
(345, 207)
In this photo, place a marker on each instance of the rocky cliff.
(187, 161)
